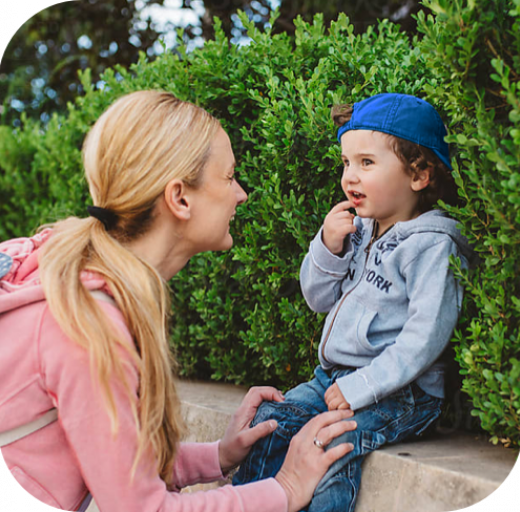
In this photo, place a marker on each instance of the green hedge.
(239, 315)
(473, 51)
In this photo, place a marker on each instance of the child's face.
(375, 181)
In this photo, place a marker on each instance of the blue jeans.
(407, 411)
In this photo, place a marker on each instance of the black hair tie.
(107, 217)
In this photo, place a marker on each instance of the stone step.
(440, 474)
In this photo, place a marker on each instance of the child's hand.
(334, 398)
(339, 222)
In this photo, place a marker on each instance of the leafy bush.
(473, 52)
(239, 315)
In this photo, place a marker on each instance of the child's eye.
(367, 161)
(346, 163)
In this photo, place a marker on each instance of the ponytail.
(136, 147)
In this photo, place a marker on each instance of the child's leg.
(403, 413)
(301, 404)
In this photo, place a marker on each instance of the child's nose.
(350, 174)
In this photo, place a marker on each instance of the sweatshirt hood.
(435, 221)
(20, 284)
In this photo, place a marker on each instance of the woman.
(83, 310)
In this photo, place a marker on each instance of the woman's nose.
(241, 193)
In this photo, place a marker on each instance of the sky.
(165, 19)
(172, 14)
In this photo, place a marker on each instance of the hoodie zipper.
(367, 251)
(375, 236)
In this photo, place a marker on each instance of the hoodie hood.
(20, 284)
(435, 221)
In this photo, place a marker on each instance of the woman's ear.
(176, 199)
(421, 179)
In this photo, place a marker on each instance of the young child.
(384, 278)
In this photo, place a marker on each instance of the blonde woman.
(89, 415)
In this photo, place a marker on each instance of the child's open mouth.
(356, 197)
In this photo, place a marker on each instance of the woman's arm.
(207, 462)
(105, 458)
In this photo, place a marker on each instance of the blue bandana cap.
(403, 116)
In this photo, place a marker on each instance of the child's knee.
(290, 418)
(364, 442)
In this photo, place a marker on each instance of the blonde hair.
(143, 141)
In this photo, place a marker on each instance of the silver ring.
(318, 443)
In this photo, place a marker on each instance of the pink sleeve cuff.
(197, 463)
(267, 492)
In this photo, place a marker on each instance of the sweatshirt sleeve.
(322, 272)
(435, 299)
(197, 463)
(105, 459)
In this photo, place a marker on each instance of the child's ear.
(421, 179)
(176, 199)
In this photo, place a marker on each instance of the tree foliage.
(361, 14)
(473, 50)
(39, 69)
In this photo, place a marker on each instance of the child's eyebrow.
(358, 154)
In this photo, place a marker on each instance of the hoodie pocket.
(365, 318)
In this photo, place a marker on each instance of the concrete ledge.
(440, 474)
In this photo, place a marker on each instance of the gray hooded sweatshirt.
(391, 310)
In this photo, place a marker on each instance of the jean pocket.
(426, 410)
(429, 410)
(428, 421)
(397, 406)
(371, 441)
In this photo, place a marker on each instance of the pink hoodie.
(40, 368)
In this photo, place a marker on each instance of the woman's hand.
(338, 223)
(239, 437)
(306, 463)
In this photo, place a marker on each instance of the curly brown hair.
(416, 158)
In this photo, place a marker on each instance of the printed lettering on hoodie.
(378, 281)
(384, 247)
